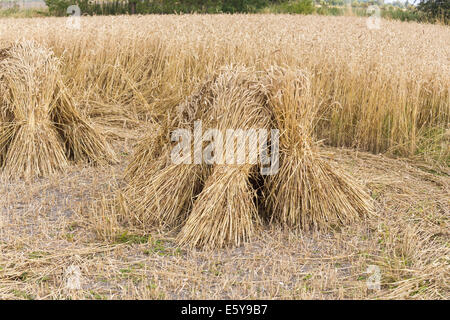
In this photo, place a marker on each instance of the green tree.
(435, 9)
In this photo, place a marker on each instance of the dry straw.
(225, 212)
(216, 205)
(40, 127)
(159, 191)
(163, 193)
(390, 88)
(307, 191)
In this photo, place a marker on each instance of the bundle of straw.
(307, 191)
(159, 191)
(83, 141)
(216, 204)
(40, 126)
(30, 144)
(225, 212)
(164, 197)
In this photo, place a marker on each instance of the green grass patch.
(132, 238)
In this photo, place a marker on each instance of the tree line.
(424, 10)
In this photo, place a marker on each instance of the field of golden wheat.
(86, 115)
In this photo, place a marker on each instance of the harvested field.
(87, 184)
(49, 226)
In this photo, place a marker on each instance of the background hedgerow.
(431, 11)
